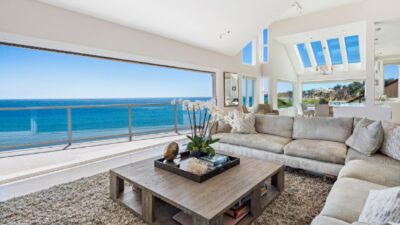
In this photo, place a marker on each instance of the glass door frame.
(246, 79)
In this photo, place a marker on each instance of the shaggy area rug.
(86, 201)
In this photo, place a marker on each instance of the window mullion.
(325, 50)
(344, 54)
(311, 55)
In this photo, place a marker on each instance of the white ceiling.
(387, 40)
(197, 22)
(311, 6)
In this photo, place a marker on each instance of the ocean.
(21, 128)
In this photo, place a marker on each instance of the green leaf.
(190, 138)
(211, 151)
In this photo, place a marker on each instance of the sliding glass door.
(248, 91)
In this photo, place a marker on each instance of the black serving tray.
(159, 163)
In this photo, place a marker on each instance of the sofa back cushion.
(367, 137)
(391, 140)
(322, 128)
(275, 125)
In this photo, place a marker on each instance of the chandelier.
(325, 70)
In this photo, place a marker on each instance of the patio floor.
(26, 171)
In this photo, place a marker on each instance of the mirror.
(387, 60)
(231, 89)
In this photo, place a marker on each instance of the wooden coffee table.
(158, 195)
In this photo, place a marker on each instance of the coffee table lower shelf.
(136, 200)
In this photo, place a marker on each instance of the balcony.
(40, 141)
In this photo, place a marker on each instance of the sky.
(247, 53)
(391, 71)
(329, 85)
(35, 74)
(284, 87)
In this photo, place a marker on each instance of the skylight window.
(265, 54)
(318, 53)
(334, 51)
(305, 59)
(352, 49)
(247, 54)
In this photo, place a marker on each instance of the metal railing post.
(69, 126)
(176, 117)
(130, 122)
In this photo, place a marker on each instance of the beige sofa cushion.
(324, 220)
(375, 158)
(325, 151)
(264, 142)
(347, 198)
(367, 137)
(372, 172)
(275, 125)
(327, 129)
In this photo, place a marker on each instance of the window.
(318, 53)
(265, 40)
(334, 51)
(247, 54)
(391, 76)
(352, 49)
(248, 92)
(285, 94)
(334, 93)
(305, 59)
(265, 91)
(244, 92)
(31, 77)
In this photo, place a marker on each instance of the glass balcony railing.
(24, 127)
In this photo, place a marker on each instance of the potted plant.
(203, 117)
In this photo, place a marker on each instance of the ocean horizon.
(34, 127)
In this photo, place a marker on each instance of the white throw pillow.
(367, 137)
(391, 144)
(382, 206)
(243, 123)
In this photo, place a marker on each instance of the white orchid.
(173, 102)
(185, 104)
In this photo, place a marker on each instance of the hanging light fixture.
(325, 69)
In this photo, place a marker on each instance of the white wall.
(370, 11)
(279, 68)
(32, 23)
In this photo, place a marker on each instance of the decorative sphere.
(171, 151)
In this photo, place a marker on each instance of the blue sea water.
(33, 127)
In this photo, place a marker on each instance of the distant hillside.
(338, 93)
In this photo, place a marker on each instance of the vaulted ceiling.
(224, 26)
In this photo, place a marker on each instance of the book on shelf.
(264, 190)
(186, 219)
(238, 211)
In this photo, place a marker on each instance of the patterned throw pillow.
(382, 206)
(367, 137)
(391, 144)
(243, 123)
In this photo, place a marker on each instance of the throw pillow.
(223, 127)
(391, 144)
(367, 137)
(243, 123)
(382, 206)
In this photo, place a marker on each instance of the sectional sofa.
(318, 145)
